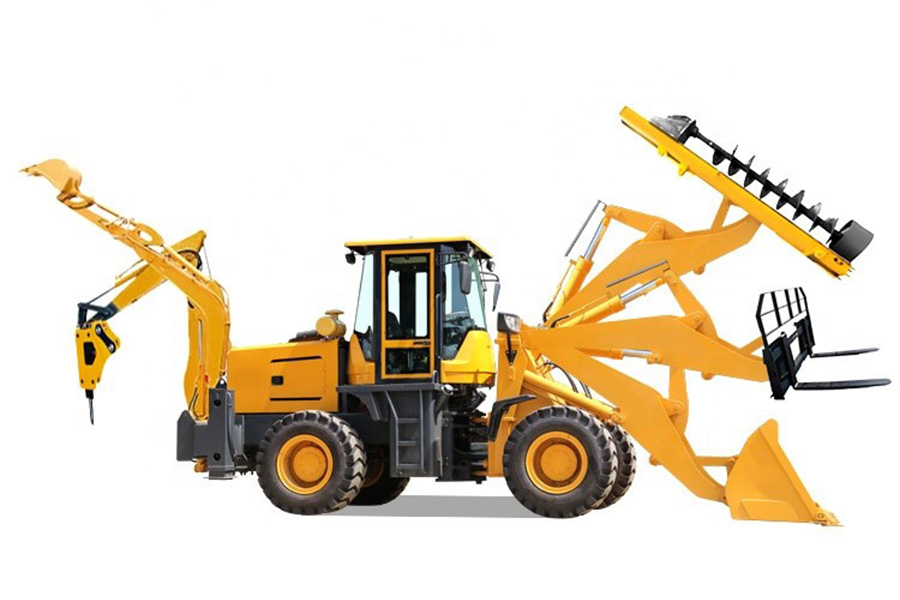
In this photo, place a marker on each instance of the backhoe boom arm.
(208, 312)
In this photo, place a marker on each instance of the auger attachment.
(849, 241)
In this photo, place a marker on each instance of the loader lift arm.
(761, 482)
(208, 311)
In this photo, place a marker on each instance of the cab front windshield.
(462, 312)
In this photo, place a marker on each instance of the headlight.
(508, 323)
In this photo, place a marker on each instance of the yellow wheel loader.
(326, 420)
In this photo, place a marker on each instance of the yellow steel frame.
(209, 320)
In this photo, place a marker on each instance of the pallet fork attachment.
(784, 323)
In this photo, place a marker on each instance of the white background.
(286, 130)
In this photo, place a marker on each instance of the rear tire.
(311, 462)
(379, 487)
(560, 462)
(627, 465)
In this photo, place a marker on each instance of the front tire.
(560, 462)
(625, 467)
(311, 462)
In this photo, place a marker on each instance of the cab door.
(407, 314)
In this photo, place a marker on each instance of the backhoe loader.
(326, 420)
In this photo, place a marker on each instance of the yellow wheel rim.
(556, 462)
(304, 464)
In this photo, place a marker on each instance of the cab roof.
(459, 243)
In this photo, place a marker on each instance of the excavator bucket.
(63, 177)
(763, 485)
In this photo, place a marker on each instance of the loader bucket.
(763, 486)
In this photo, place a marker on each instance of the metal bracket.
(220, 440)
(510, 353)
(499, 409)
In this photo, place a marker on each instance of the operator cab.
(421, 312)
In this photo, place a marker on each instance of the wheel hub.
(304, 464)
(556, 462)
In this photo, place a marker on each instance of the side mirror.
(496, 295)
(465, 276)
(489, 265)
(351, 258)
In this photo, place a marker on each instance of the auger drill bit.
(749, 178)
(735, 165)
(798, 198)
(763, 181)
(779, 189)
(848, 241)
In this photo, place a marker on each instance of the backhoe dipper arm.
(141, 279)
(209, 319)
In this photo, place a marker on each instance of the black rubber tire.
(347, 453)
(381, 490)
(626, 466)
(595, 439)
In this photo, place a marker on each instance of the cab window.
(462, 312)
(365, 307)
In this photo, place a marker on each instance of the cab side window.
(365, 307)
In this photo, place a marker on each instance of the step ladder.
(408, 435)
(411, 412)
